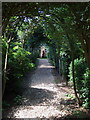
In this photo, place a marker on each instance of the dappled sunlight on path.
(43, 98)
(37, 112)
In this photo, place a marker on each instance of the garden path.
(44, 96)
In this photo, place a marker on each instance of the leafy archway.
(64, 27)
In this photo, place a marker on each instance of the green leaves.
(16, 47)
(17, 100)
(5, 104)
(82, 78)
(19, 63)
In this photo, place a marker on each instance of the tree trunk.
(58, 57)
(87, 51)
(5, 68)
(74, 83)
(72, 49)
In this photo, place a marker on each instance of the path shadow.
(68, 101)
(80, 116)
(37, 96)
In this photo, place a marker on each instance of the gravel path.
(42, 97)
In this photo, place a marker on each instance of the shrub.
(33, 57)
(79, 70)
(86, 89)
(19, 63)
(17, 100)
(82, 79)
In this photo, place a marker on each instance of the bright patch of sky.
(47, 15)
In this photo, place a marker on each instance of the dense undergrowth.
(81, 75)
(20, 61)
(82, 78)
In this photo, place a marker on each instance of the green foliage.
(33, 57)
(62, 23)
(70, 96)
(80, 114)
(82, 79)
(86, 89)
(5, 104)
(80, 68)
(17, 100)
(19, 63)
(52, 55)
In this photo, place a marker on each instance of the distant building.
(43, 52)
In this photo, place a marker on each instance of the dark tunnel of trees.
(63, 27)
